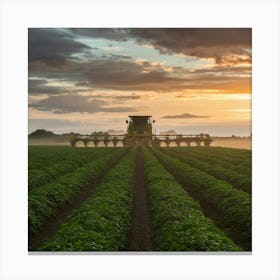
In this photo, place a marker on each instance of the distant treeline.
(43, 133)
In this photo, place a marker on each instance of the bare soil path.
(52, 224)
(140, 236)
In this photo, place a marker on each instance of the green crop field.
(139, 199)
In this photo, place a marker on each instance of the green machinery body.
(139, 131)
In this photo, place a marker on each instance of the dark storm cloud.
(184, 116)
(77, 103)
(52, 45)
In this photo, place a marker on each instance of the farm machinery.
(140, 132)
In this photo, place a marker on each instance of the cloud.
(117, 97)
(144, 76)
(51, 57)
(76, 103)
(52, 45)
(217, 43)
(225, 45)
(184, 116)
(112, 56)
(110, 74)
(40, 86)
(116, 34)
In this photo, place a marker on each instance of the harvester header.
(140, 132)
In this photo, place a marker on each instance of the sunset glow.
(189, 80)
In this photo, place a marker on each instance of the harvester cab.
(139, 131)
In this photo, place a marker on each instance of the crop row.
(50, 168)
(231, 151)
(233, 205)
(43, 202)
(38, 153)
(205, 155)
(41, 156)
(238, 157)
(177, 219)
(235, 179)
(102, 222)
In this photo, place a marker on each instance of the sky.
(191, 80)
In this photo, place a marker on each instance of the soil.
(140, 237)
(53, 223)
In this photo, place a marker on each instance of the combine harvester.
(139, 132)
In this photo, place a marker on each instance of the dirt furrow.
(140, 236)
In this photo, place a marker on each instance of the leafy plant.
(232, 204)
(235, 179)
(102, 222)
(178, 221)
(43, 202)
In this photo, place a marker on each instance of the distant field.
(139, 199)
(238, 143)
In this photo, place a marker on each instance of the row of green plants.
(233, 205)
(43, 202)
(103, 220)
(178, 222)
(237, 180)
(41, 156)
(38, 153)
(212, 158)
(239, 157)
(47, 169)
(231, 151)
